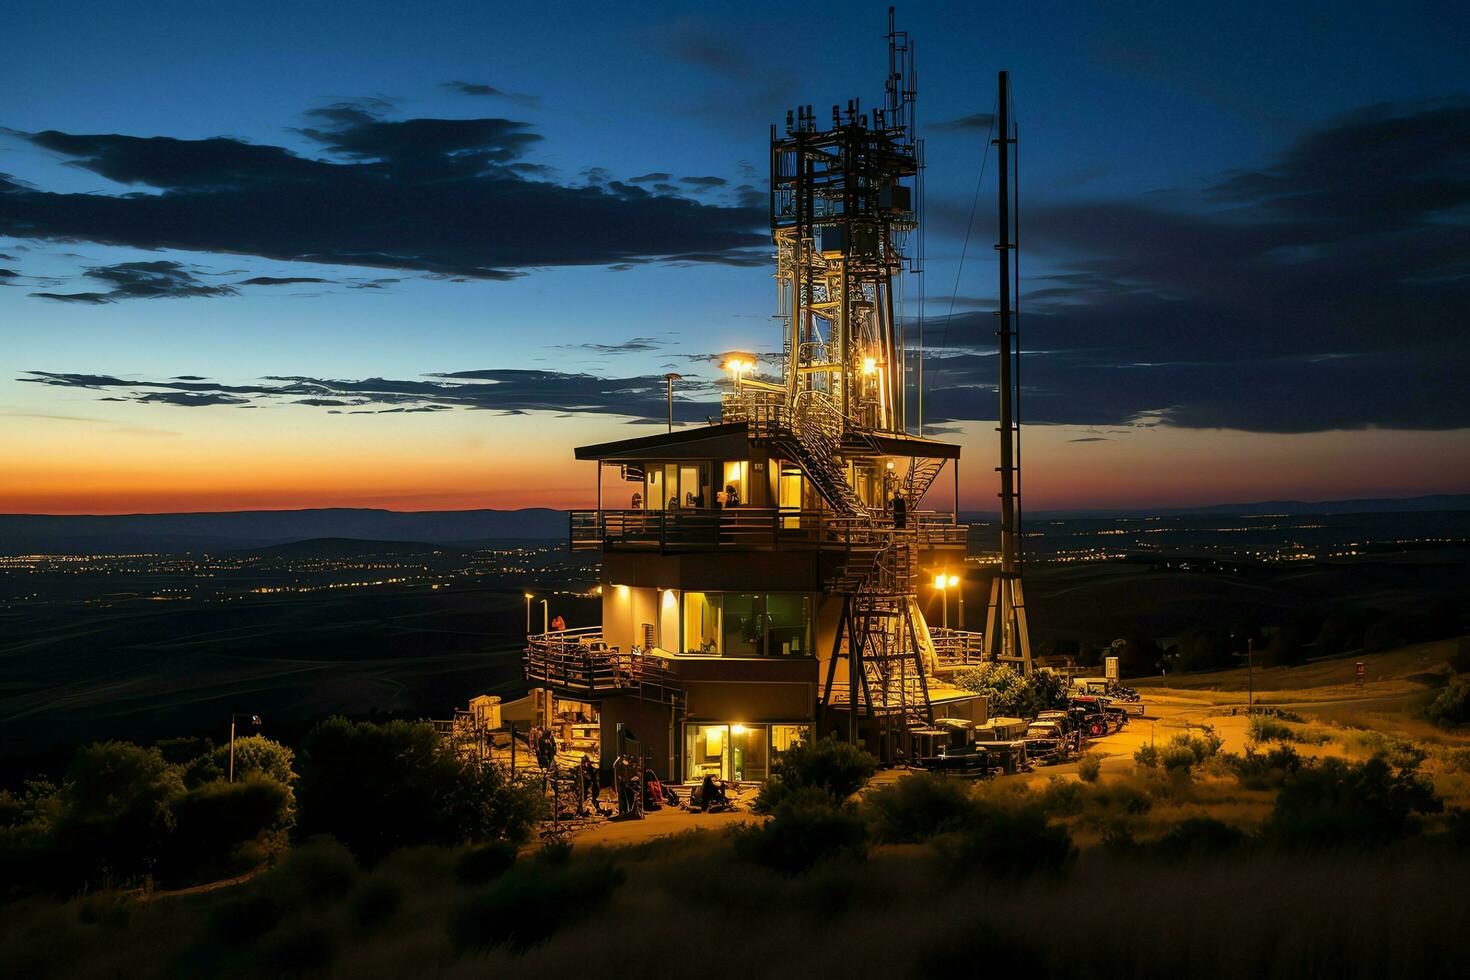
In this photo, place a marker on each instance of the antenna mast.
(1006, 636)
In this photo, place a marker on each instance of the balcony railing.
(957, 648)
(579, 661)
(750, 528)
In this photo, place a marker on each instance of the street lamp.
(671, 378)
(254, 720)
(941, 584)
(739, 365)
(529, 597)
(545, 617)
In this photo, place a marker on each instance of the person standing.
(587, 782)
(900, 510)
(623, 781)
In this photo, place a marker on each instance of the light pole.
(529, 597)
(254, 720)
(960, 598)
(545, 617)
(671, 378)
(1250, 676)
(941, 585)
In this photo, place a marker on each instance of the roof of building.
(730, 440)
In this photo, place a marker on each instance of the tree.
(377, 788)
(1004, 686)
(837, 769)
(213, 823)
(258, 754)
(115, 813)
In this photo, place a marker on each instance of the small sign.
(1360, 668)
(1110, 668)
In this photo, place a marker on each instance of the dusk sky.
(409, 255)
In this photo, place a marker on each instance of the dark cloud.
(1326, 291)
(448, 196)
(473, 88)
(142, 280)
(657, 175)
(981, 121)
(634, 345)
(280, 280)
(8, 274)
(704, 181)
(507, 391)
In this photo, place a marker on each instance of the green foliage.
(918, 807)
(1264, 770)
(212, 823)
(1008, 842)
(1089, 767)
(837, 768)
(1181, 753)
(1264, 729)
(257, 754)
(806, 827)
(1012, 694)
(377, 788)
(1004, 685)
(115, 814)
(1335, 803)
(1451, 707)
(484, 863)
(526, 907)
(1397, 751)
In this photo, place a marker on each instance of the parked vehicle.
(1049, 740)
(1099, 715)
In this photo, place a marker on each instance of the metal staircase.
(918, 479)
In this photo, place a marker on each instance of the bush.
(1264, 770)
(257, 754)
(377, 788)
(115, 813)
(1011, 693)
(374, 904)
(1399, 752)
(318, 870)
(483, 864)
(1183, 752)
(1147, 756)
(1338, 804)
(918, 807)
(1263, 729)
(525, 907)
(1451, 707)
(1008, 842)
(214, 820)
(805, 828)
(837, 768)
(1458, 759)
(1089, 767)
(1198, 837)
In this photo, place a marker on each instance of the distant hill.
(238, 530)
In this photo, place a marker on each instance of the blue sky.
(1156, 142)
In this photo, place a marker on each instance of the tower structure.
(761, 581)
(1006, 636)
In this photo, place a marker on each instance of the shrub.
(1062, 797)
(1197, 837)
(1337, 803)
(257, 754)
(1147, 756)
(1263, 729)
(377, 788)
(1458, 759)
(483, 864)
(837, 768)
(115, 814)
(1002, 683)
(1451, 707)
(214, 820)
(1089, 767)
(1399, 752)
(1008, 842)
(374, 903)
(1264, 770)
(918, 807)
(1184, 752)
(525, 907)
(319, 869)
(805, 828)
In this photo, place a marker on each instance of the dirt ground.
(1324, 693)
